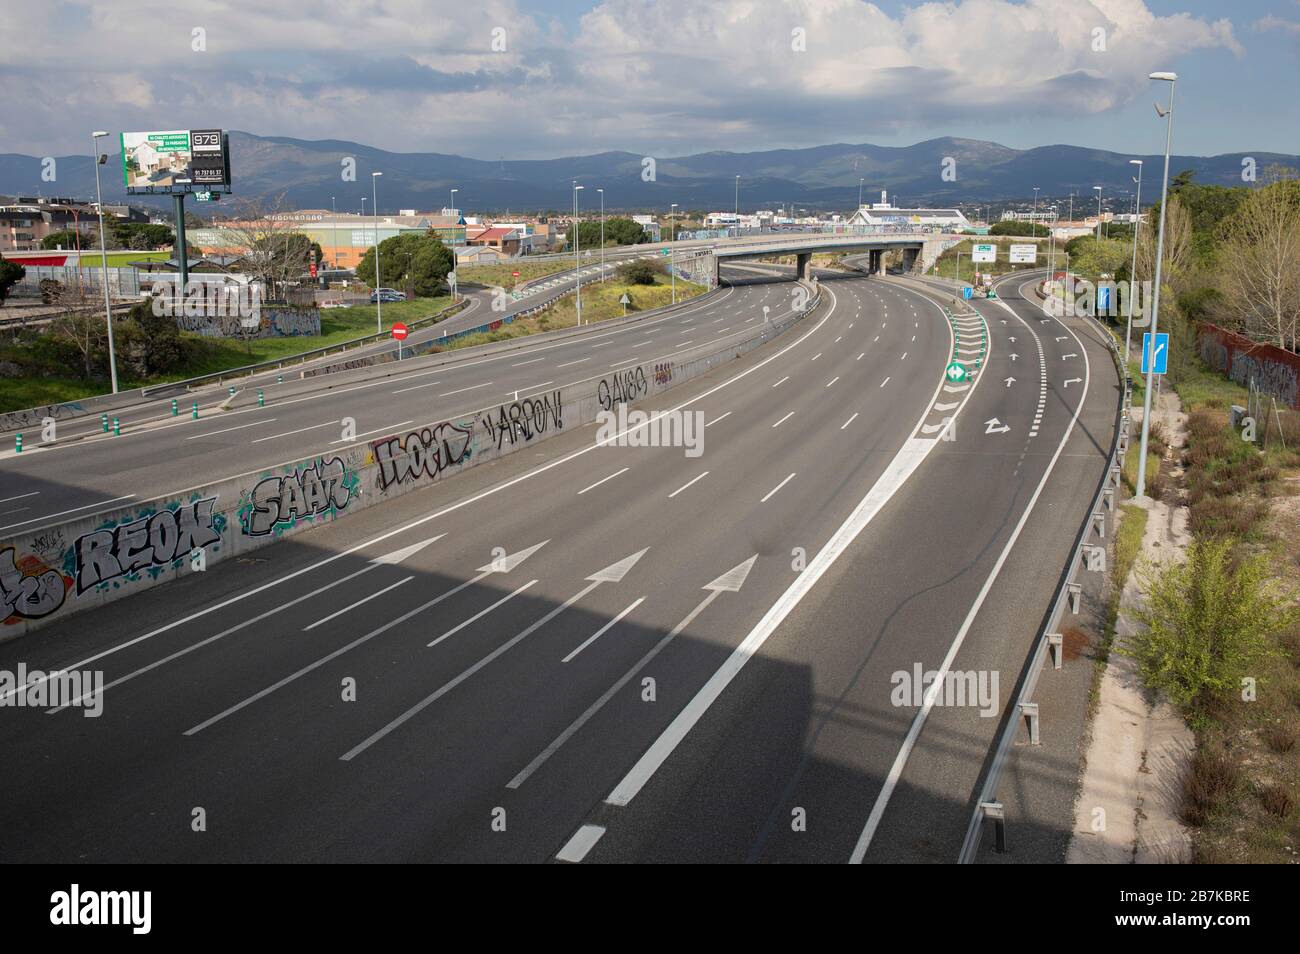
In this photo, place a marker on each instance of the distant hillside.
(818, 177)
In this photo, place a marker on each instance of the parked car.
(386, 295)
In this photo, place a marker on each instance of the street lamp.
(103, 259)
(1035, 215)
(1097, 189)
(379, 284)
(1168, 115)
(602, 233)
(452, 210)
(334, 229)
(1132, 274)
(860, 181)
(577, 265)
(736, 212)
(672, 249)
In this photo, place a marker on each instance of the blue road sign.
(1162, 352)
(967, 292)
(1103, 299)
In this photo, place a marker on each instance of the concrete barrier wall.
(51, 573)
(1275, 371)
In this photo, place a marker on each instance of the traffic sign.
(955, 373)
(967, 292)
(1162, 352)
(515, 274)
(400, 331)
(664, 251)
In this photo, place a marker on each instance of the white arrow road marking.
(583, 840)
(376, 562)
(1070, 355)
(729, 582)
(1069, 381)
(604, 629)
(611, 574)
(1013, 357)
(1010, 381)
(994, 426)
(1012, 340)
(397, 556)
(1061, 338)
(504, 565)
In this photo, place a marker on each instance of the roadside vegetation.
(502, 276)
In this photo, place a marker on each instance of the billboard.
(177, 160)
(984, 252)
(1024, 254)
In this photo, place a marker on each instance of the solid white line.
(849, 421)
(603, 479)
(687, 484)
(463, 390)
(46, 516)
(718, 418)
(481, 613)
(359, 602)
(771, 493)
(583, 840)
(604, 629)
(784, 419)
(288, 433)
(227, 430)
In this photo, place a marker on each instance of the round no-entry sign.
(400, 331)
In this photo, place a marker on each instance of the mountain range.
(309, 174)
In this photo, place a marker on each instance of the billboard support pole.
(182, 253)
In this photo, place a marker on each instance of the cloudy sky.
(668, 77)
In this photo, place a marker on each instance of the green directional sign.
(955, 373)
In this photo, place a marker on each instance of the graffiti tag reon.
(30, 589)
(151, 541)
(428, 451)
(279, 502)
(525, 419)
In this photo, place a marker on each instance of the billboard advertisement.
(177, 160)
(984, 252)
(1024, 254)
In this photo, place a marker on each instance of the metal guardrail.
(987, 808)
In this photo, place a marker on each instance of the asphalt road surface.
(606, 653)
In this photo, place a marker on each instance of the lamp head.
(1165, 76)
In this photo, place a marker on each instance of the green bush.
(1206, 624)
(639, 272)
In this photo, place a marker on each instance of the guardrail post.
(1076, 590)
(1108, 497)
(1115, 474)
(1057, 645)
(993, 811)
(1099, 523)
(1030, 711)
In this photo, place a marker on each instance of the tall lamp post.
(103, 260)
(860, 181)
(736, 211)
(1097, 189)
(577, 264)
(672, 249)
(1168, 115)
(379, 284)
(1132, 273)
(334, 231)
(602, 233)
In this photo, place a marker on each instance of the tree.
(67, 239)
(1020, 228)
(1091, 258)
(275, 251)
(82, 327)
(11, 273)
(1260, 262)
(618, 231)
(640, 272)
(417, 262)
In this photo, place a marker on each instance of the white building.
(648, 225)
(883, 213)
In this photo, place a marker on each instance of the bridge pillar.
(877, 262)
(910, 256)
(802, 267)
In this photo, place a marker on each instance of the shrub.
(1207, 624)
(640, 272)
(1211, 781)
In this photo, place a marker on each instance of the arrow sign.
(955, 372)
(994, 426)
(1010, 381)
(1069, 381)
(1013, 357)
(1070, 355)
(397, 556)
(729, 582)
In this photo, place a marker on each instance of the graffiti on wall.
(664, 373)
(279, 503)
(621, 387)
(29, 589)
(271, 323)
(525, 419)
(1273, 370)
(149, 543)
(423, 453)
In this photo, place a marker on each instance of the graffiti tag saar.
(150, 542)
(621, 387)
(28, 588)
(278, 503)
(525, 419)
(428, 452)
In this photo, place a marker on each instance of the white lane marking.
(473, 387)
(685, 343)
(784, 419)
(818, 355)
(23, 523)
(909, 457)
(19, 497)
(946, 407)
(687, 484)
(377, 430)
(904, 357)
(603, 344)
(628, 361)
(289, 433)
(859, 357)
(782, 381)
(416, 387)
(918, 721)
(604, 629)
(531, 387)
(402, 528)
(603, 479)
(718, 418)
(530, 361)
(772, 493)
(838, 340)
(849, 421)
(569, 364)
(481, 613)
(360, 602)
(227, 430)
(583, 840)
(832, 380)
(884, 382)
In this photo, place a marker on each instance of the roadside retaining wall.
(1274, 370)
(51, 573)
